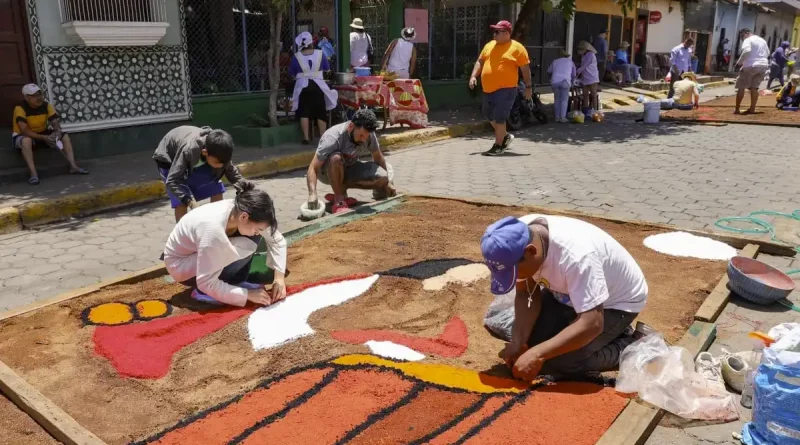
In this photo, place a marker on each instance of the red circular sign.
(655, 17)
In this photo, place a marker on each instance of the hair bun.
(243, 186)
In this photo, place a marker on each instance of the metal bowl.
(345, 78)
(758, 282)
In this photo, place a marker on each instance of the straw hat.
(357, 24)
(795, 79)
(690, 75)
(624, 44)
(409, 33)
(586, 46)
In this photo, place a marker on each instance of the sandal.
(340, 207)
(33, 180)
(78, 171)
(349, 201)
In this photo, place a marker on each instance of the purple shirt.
(562, 69)
(294, 66)
(588, 69)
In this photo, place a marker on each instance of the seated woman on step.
(789, 95)
(211, 248)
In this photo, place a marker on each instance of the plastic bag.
(576, 117)
(665, 377)
(786, 349)
(499, 318)
(776, 397)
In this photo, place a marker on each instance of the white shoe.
(710, 368)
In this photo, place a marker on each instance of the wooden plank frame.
(633, 426)
(719, 297)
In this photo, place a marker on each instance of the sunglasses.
(499, 31)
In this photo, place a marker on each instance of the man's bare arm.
(311, 177)
(526, 74)
(476, 70)
(26, 131)
(525, 313)
(379, 159)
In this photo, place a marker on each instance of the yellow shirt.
(685, 89)
(35, 118)
(501, 63)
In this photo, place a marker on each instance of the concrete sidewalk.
(123, 180)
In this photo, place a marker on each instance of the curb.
(14, 219)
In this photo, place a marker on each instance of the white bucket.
(652, 111)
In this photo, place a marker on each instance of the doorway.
(701, 47)
(16, 69)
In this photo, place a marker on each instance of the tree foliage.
(276, 11)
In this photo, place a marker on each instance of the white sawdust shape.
(287, 320)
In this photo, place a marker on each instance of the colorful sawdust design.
(368, 400)
(450, 343)
(145, 350)
(115, 313)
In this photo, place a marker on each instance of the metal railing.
(150, 11)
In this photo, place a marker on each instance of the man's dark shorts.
(497, 105)
(357, 172)
(202, 183)
(16, 141)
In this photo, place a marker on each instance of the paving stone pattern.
(682, 175)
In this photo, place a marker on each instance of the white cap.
(30, 89)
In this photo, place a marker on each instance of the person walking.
(562, 74)
(499, 65)
(360, 45)
(311, 98)
(401, 56)
(778, 64)
(680, 61)
(600, 43)
(589, 75)
(754, 63)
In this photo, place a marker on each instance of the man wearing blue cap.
(577, 292)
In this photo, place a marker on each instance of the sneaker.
(508, 140)
(496, 150)
(710, 368)
(340, 207)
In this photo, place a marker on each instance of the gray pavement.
(678, 174)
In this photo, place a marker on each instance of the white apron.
(313, 73)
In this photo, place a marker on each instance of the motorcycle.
(524, 110)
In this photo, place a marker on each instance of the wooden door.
(15, 69)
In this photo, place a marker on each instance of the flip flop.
(79, 171)
(33, 180)
(340, 207)
(349, 201)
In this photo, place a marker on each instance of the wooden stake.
(46, 413)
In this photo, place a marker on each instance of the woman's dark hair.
(255, 203)
(365, 118)
(219, 144)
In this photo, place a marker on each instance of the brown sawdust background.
(53, 351)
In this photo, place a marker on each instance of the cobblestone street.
(683, 175)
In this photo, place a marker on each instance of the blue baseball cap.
(503, 246)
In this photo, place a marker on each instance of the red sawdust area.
(53, 350)
(721, 111)
(17, 428)
(375, 405)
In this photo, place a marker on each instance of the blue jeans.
(561, 93)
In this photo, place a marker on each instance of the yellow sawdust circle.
(151, 308)
(110, 314)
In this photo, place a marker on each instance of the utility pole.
(735, 37)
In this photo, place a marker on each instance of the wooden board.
(719, 297)
(738, 242)
(46, 413)
(633, 425)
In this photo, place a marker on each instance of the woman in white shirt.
(211, 248)
(401, 56)
(562, 74)
(360, 44)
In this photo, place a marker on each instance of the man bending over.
(577, 292)
(336, 163)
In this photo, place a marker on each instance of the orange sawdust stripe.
(429, 410)
(344, 404)
(457, 431)
(444, 375)
(221, 426)
(554, 415)
(108, 314)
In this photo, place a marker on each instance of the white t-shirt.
(199, 247)
(759, 52)
(359, 44)
(585, 267)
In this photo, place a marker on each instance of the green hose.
(762, 227)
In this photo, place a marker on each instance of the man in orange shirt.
(499, 65)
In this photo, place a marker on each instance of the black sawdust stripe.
(519, 398)
(375, 417)
(468, 411)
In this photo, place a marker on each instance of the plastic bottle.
(749, 381)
